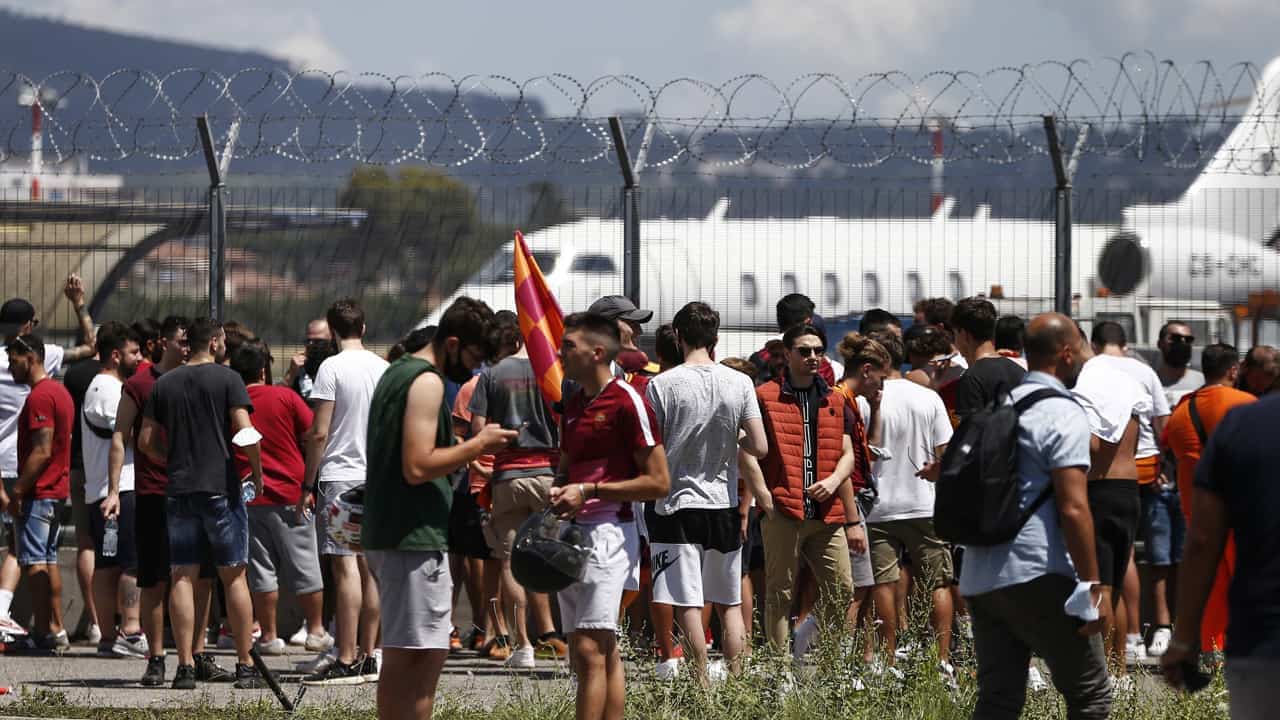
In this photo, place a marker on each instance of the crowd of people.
(725, 502)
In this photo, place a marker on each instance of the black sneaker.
(339, 673)
(368, 668)
(248, 678)
(185, 678)
(154, 676)
(211, 672)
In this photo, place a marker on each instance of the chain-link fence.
(405, 245)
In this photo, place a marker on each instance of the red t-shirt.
(462, 421)
(48, 406)
(600, 439)
(281, 416)
(148, 477)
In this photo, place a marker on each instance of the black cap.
(617, 307)
(15, 313)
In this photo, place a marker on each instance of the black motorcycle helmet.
(546, 558)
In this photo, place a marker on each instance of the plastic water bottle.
(248, 492)
(111, 538)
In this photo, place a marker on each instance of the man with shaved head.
(1260, 370)
(1018, 591)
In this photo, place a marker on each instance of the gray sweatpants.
(1013, 622)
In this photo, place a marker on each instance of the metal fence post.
(217, 211)
(1062, 222)
(630, 214)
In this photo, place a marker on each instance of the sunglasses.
(22, 344)
(805, 351)
(1188, 339)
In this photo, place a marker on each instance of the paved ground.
(91, 681)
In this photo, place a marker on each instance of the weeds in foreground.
(827, 688)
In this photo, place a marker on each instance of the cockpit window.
(502, 268)
(593, 264)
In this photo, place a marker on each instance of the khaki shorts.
(930, 556)
(513, 502)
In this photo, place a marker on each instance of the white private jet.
(1213, 247)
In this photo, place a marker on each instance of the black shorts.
(466, 526)
(151, 537)
(718, 530)
(126, 547)
(753, 548)
(1116, 509)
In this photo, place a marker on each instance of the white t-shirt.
(1156, 400)
(1110, 397)
(700, 408)
(915, 423)
(12, 398)
(100, 404)
(348, 379)
(1190, 381)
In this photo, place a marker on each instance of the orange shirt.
(1212, 403)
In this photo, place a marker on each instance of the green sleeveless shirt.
(397, 515)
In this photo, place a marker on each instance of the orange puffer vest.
(784, 465)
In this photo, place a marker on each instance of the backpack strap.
(1036, 396)
(1197, 421)
(1021, 407)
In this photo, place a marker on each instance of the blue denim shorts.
(208, 526)
(1163, 526)
(39, 530)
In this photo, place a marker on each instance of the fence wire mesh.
(404, 250)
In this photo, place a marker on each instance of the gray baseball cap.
(618, 306)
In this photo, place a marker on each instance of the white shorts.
(696, 557)
(416, 598)
(594, 603)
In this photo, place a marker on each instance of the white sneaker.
(806, 633)
(668, 670)
(94, 635)
(522, 659)
(717, 672)
(9, 626)
(318, 663)
(947, 672)
(878, 669)
(904, 651)
(299, 638)
(1035, 681)
(1135, 653)
(1160, 642)
(275, 647)
(317, 643)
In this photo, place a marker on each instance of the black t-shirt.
(1239, 465)
(77, 380)
(809, 402)
(193, 403)
(983, 380)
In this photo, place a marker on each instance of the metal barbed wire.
(1136, 106)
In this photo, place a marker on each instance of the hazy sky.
(708, 39)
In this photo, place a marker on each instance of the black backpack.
(977, 492)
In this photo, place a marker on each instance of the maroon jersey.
(600, 438)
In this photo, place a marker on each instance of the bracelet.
(855, 523)
(595, 491)
(582, 490)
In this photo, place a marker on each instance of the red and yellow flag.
(541, 322)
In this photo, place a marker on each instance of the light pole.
(47, 97)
